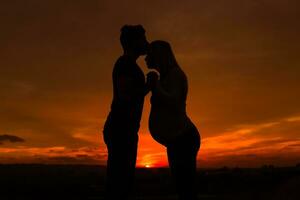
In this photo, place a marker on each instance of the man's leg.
(121, 168)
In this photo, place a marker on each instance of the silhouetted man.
(123, 122)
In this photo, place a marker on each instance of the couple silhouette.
(169, 124)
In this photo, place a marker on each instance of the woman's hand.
(152, 78)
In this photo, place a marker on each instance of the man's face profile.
(142, 45)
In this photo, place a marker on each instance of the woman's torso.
(168, 118)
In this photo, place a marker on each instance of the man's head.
(133, 39)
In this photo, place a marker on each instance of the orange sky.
(241, 58)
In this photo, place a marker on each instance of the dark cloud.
(79, 159)
(10, 138)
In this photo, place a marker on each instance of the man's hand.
(152, 78)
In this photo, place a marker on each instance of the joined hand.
(152, 78)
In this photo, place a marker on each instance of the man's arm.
(126, 90)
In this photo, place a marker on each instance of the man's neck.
(131, 54)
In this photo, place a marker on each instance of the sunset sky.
(241, 58)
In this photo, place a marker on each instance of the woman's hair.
(164, 50)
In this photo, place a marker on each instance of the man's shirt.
(128, 96)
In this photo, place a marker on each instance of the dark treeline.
(87, 182)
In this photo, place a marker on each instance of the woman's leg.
(182, 156)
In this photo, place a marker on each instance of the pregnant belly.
(164, 126)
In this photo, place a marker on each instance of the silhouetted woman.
(168, 123)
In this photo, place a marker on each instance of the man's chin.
(143, 53)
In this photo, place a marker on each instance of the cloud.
(274, 142)
(88, 134)
(53, 155)
(293, 119)
(10, 138)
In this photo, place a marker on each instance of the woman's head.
(160, 56)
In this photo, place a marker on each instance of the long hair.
(165, 53)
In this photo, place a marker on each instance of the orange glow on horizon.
(246, 145)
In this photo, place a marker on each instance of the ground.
(36, 182)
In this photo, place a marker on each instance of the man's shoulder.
(125, 65)
(124, 61)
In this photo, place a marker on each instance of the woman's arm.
(172, 88)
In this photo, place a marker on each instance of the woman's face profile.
(142, 45)
(152, 59)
